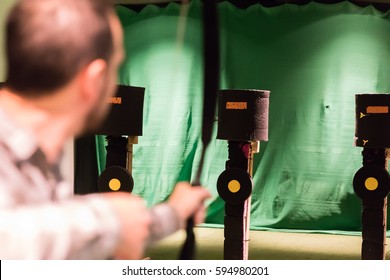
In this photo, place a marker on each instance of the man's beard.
(98, 114)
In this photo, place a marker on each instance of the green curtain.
(313, 58)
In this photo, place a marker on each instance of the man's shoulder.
(15, 142)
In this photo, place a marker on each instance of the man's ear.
(92, 80)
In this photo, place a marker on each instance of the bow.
(210, 89)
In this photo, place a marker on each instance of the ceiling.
(382, 5)
(144, 2)
(140, 2)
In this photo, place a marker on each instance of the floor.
(266, 245)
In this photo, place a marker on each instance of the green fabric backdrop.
(313, 58)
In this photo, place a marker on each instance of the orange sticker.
(115, 100)
(236, 105)
(377, 109)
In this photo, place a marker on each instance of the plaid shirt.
(40, 218)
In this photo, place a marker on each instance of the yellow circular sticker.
(234, 186)
(114, 184)
(371, 184)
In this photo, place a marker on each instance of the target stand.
(243, 122)
(371, 182)
(122, 127)
(234, 185)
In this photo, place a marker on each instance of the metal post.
(374, 213)
(129, 159)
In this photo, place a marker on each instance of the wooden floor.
(266, 245)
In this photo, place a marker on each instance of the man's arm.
(73, 229)
(96, 226)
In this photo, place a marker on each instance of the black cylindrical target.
(234, 185)
(372, 120)
(243, 115)
(125, 115)
(115, 178)
(371, 183)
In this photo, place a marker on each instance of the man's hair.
(49, 41)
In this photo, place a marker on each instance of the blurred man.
(62, 63)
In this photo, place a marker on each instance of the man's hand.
(135, 218)
(188, 201)
(135, 222)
